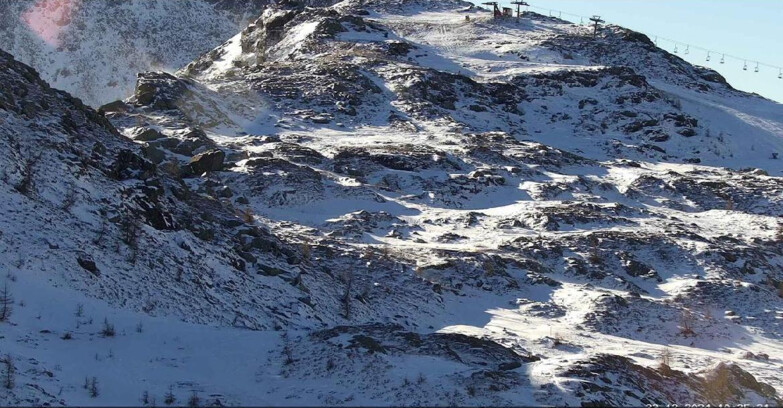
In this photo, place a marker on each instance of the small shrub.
(67, 336)
(169, 398)
(130, 230)
(108, 329)
(6, 303)
(92, 387)
(288, 354)
(665, 360)
(246, 215)
(686, 323)
(346, 299)
(25, 184)
(194, 400)
(595, 256)
(9, 372)
(70, 198)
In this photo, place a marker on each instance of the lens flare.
(49, 18)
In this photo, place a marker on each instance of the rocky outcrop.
(211, 160)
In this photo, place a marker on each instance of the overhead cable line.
(677, 45)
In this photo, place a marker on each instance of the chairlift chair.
(708, 56)
(757, 68)
(745, 66)
(723, 59)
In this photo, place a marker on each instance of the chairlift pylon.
(519, 4)
(495, 10)
(597, 21)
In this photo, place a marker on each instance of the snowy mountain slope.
(134, 234)
(83, 210)
(94, 49)
(83, 205)
(467, 212)
(603, 111)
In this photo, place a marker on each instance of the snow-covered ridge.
(405, 206)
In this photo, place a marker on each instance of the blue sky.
(752, 29)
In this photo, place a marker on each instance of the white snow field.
(375, 203)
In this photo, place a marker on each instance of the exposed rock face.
(385, 203)
(204, 162)
(88, 264)
(159, 90)
(722, 384)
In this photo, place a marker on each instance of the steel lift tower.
(496, 10)
(519, 5)
(597, 20)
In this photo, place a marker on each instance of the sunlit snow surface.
(238, 366)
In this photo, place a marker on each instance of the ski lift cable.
(724, 55)
(689, 47)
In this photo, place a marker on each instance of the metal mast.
(519, 5)
(597, 20)
(496, 10)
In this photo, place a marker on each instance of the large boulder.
(211, 160)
